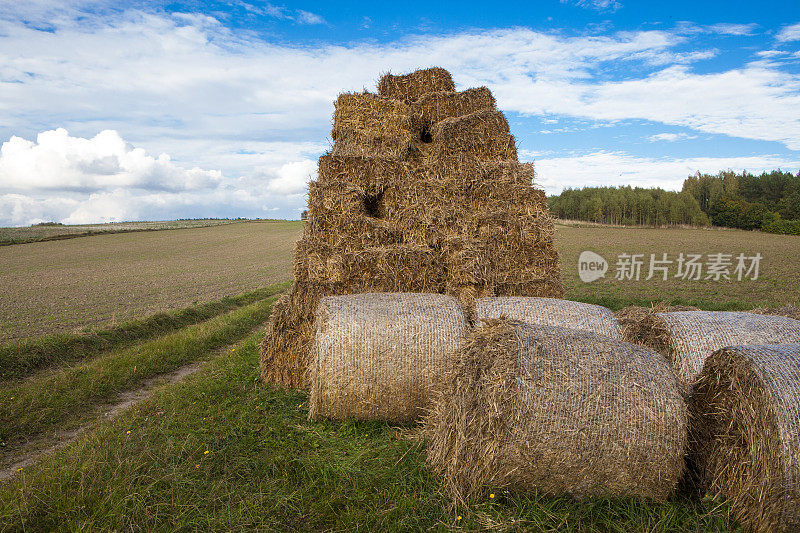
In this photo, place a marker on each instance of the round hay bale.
(559, 411)
(377, 355)
(745, 433)
(688, 338)
(550, 312)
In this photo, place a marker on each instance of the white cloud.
(104, 179)
(789, 33)
(733, 29)
(259, 111)
(60, 162)
(670, 137)
(293, 178)
(605, 168)
(305, 17)
(598, 5)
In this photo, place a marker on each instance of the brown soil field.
(777, 284)
(56, 232)
(68, 285)
(55, 286)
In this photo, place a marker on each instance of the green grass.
(268, 467)
(22, 358)
(50, 401)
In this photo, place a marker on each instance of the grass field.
(220, 450)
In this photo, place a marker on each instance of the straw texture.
(745, 431)
(559, 411)
(550, 312)
(377, 356)
(631, 319)
(421, 192)
(687, 338)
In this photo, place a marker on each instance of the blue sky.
(162, 110)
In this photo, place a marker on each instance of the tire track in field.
(37, 449)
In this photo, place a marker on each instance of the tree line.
(769, 202)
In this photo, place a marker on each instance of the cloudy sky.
(152, 110)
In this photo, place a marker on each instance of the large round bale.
(688, 338)
(550, 312)
(377, 355)
(559, 411)
(745, 433)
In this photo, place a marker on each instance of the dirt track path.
(125, 400)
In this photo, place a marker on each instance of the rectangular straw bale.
(548, 287)
(356, 231)
(377, 356)
(367, 125)
(397, 268)
(367, 112)
(558, 411)
(551, 312)
(371, 174)
(431, 108)
(409, 87)
(745, 434)
(483, 135)
(688, 338)
(368, 144)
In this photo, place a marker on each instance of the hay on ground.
(376, 356)
(409, 87)
(745, 433)
(550, 312)
(688, 338)
(558, 411)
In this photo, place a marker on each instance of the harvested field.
(50, 232)
(50, 287)
(777, 285)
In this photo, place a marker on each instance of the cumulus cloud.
(607, 168)
(60, 162)
(77, 180)
(789, 33)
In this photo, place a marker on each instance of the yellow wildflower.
(458, 517)
(491, 496)
(205, 452)
(128, 432)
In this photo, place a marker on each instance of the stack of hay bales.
(688, 338)
(421, 192)
(557, 410)
(745, 433)
(550, 312)
(377, 356)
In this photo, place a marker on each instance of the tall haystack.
(745, 432)
(422, 191)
